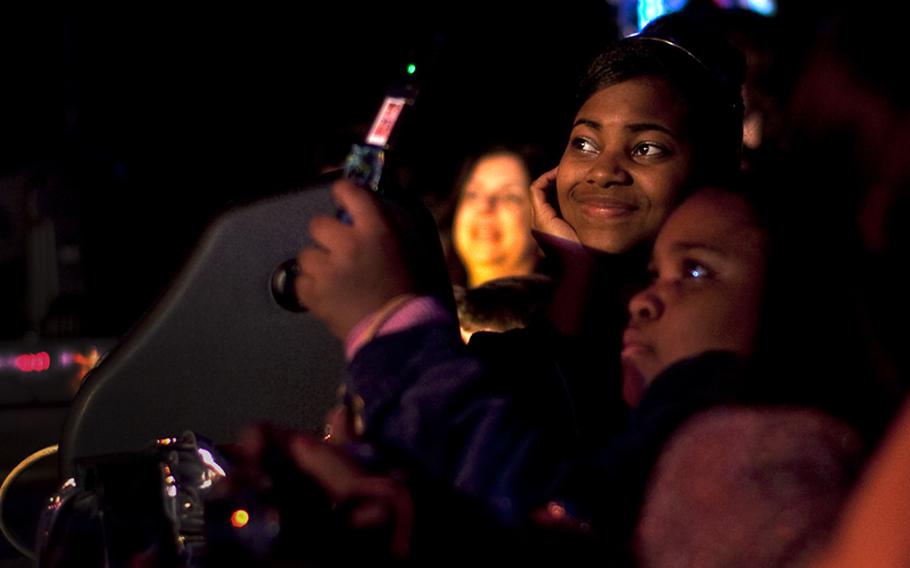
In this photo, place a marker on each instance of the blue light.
(649, 10)
(763, 7)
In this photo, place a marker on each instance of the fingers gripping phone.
(364, 163)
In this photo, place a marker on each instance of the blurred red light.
(24, 363)
(33, 362)
(43, 361)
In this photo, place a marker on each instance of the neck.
(477, 275)
(593, 287)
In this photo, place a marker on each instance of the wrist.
(401, 312)
(367, 328)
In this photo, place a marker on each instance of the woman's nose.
(487, 203)
(608, 169)
(645, 306)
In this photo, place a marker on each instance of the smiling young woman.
(626, 163)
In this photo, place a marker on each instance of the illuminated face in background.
(709, 265)
(627, 158)
(492, 227)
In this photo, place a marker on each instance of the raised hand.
(353, 269)
(545, 219)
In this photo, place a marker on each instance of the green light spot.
(411, 68)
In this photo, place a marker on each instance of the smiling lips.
(604, 206)
(486, 232)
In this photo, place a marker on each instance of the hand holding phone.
(355, 267)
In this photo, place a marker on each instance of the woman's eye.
(696, 270)
(583, 144)
(649, 150)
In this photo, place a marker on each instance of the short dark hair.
(504, 303)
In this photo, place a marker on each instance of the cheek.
(745, 300)
(692, 326)
(507, 225)
(516, 218)
(562, 193)
(728, 324)
(460, 226)
(565, 177)
(662, 189)
(684, 331)
(746, 321)
(663, 195)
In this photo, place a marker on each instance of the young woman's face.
(492, 224)
(709, 265)
(628, 157)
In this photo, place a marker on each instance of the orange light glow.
(556, 511)
(86, 362)
(239, 518)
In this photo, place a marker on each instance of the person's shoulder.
(536, 333)
(738, 481)
(765, 437)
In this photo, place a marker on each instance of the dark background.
(148, 122)
(131, 127)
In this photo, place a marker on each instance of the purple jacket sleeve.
(428, 400)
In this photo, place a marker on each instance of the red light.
(239, 519)
(24, 363)
(44, 361)
(37, 362)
